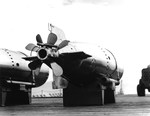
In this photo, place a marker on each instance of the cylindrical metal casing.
(14, 68)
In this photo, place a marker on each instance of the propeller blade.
(32, 47)
(57, 70)
(63, 44)
(30, 58)
(59, 82)
(37, 71)
(52, 38)
(35, 64)
(39, 39)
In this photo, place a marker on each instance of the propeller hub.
(42, 54)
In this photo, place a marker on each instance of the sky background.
(122, 26)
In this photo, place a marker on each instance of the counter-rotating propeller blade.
(46, 53)
(39, 39)
(32, 47)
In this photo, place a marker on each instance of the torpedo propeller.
(46, 53)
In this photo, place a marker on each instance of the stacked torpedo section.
(88, 74)
(17, 79)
